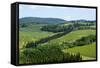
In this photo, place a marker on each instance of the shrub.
(47, 54)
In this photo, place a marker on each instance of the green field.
(85, 51)
(72, 36)
(32, 27)
(25, 37)
(56, 35)
(33, 33)
(76, 35)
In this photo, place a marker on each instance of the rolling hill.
(41, 20)
(88, 50)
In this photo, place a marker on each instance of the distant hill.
(82, 21)
(41, 20)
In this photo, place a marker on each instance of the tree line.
(66, 30)
(52, 53)
(63, 28)
(79, 42)
(43, 40)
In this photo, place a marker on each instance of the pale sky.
(66, 13)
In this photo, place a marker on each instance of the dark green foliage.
(70, 27)
(79, 42)
(52, 53)
(58, 28)
(86, 27)
(72, 57)
(47, 54)
(43, 40)
(23, 25)
(31, 44)
(65, 45)
(85, 40)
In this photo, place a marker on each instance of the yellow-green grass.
(76, 35)
(87, 51)
(66, 24)
(72, 36)
(32, 27)
(28, 36)
(93, 26)
(32, 33)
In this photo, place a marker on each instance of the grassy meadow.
(56, 34)
(52, 43)
(88, 50)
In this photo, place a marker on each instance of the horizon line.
(58, 18)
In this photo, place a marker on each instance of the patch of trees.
(85, 40)
(80, 42)
(86, 27)
(52, 53)
(64, 28)
(57, 28)
(47, 54)
(23, 25)
(86, 24)
(43, 40)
